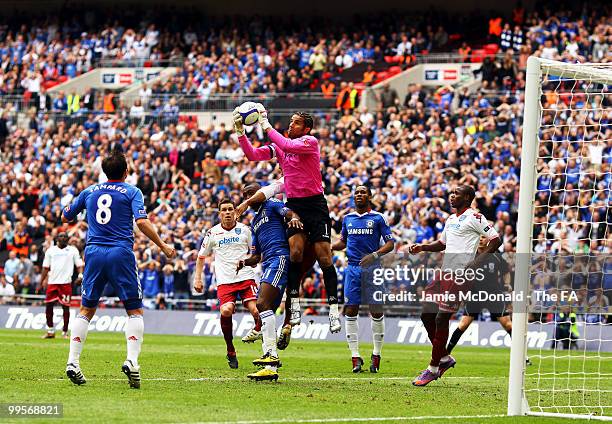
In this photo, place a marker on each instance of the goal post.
(565, 123)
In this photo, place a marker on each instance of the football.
(249, 113)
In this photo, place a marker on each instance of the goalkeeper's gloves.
(238, 126)
(263, 117)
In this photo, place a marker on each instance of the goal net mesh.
(571, 270)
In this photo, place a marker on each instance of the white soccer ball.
(249, 113)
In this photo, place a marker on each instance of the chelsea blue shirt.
(269, 234)
(111, 209)
(363, 234)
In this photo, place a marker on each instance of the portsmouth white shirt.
(61, 263)
(461, 236)
(228, 247)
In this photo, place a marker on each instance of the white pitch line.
(357, 419)
(306, 379)
(332, 378)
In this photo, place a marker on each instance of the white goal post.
(566, 123)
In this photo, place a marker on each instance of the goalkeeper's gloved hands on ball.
(238, 125)
(263, 117)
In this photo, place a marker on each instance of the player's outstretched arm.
(251, 261)
(255, 154)
(435, 246)
(287, 145)
(257, 198)
(261, 196)
(70, 212)
(148, 230)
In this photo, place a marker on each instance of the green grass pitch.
(186, 379)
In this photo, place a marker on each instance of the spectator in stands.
(7, 291)
(369, 75)
(505, 40)
(388, 96)
(21, 240)
(42, 101)
(170, 111)
(59, 104)
(601, 50)
(12, 267)
(137, 111)
(465, 52)
(404, 48)
(517, 38)
(317, 61)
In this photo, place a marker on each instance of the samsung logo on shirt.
(361, 231)
(229, 240)
(261, 221)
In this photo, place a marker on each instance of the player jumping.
(299, 157)
(272, 248)
(362, 232)
(109, 258)
(308, 258)
(58, 267)
(230, 241)
(459, 242)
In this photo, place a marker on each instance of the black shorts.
(314, 213)
(496, 309)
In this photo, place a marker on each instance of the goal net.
(563, 274)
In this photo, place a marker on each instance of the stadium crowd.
(410, 151)
(246, 55)
(264, 56)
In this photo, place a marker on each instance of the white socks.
(378, 334)
(268, 330)
(352, 334)
(433, 369)
(134, 331)
(295, 303)
(78, 335)
(445, 358)
(333, 309)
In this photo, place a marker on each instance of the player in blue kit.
(271, 247)
(366, 236)
(111, 209)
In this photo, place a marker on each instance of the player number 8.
(103, 215)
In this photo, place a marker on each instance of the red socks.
(226, 328)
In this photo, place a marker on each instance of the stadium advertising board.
(114, 78)
(398, 330)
